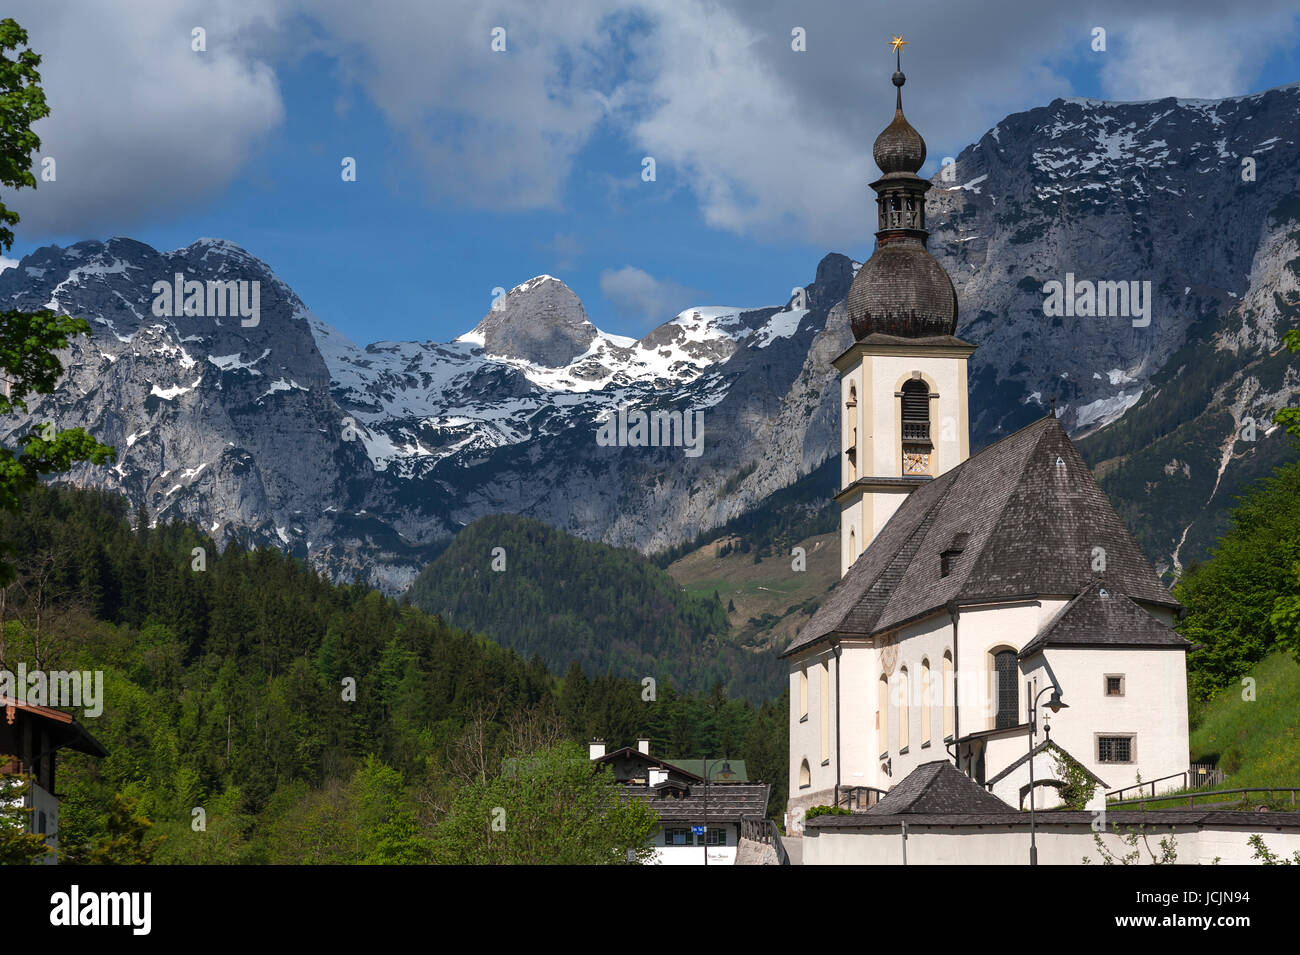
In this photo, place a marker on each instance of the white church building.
(971, 585)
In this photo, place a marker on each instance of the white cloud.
(1193, 57)
(639, 295)
(497, 129)
(7, 263)
(769, 141)
(141, 124)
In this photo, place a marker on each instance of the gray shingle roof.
(728, 803)
(1101, 616)
(1033, 524)
(937, 787)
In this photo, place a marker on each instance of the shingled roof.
(1033, 515)
(937, 787)
(1101, 616)
(729, 803)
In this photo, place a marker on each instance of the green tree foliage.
(126, 840)
(1289, 418)
(1238, 602)
(28, 340)
(224, 691)
(1079, 784)
(17, 845)
(569, 600)
(549, 808)
(22, 103)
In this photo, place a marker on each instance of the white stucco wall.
(924, 640)
(948, 428)
(872, 427)
(1153, 709)
(1007, 845)
(694, 854)
(1009, 788)
(806, 732)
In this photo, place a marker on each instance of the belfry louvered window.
(916, 411)
(1008, 685)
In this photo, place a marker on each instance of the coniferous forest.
(611, 610)
(309, 722)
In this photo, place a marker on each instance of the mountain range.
(367, 460)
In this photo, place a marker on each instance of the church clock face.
(916, 462)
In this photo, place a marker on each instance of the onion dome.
(902, 289)
(899, 148)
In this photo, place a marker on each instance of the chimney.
(657, 775)
(596, 748)
(643, 745)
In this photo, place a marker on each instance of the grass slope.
(771, 600)
(1255, 742)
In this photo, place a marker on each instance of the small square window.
(1114, 684)
(1115, 749)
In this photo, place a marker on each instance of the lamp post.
(1055, 704)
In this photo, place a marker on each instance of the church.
(988, 605)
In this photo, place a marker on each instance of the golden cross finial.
(898, 42)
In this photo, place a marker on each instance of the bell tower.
(903, 382)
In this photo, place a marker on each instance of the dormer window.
(948, 558)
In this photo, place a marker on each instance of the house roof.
(64, 730)
(718, 773)
(725, 803)
(937, 787)
(1033, 514)
(1044, 745)
(1101, 616)
(631, 753)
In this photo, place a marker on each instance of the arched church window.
(916, 411)
(805, 775)
(948, 691)
(925, 701)
(1007, 685)
(824, 708)
(904, 709)
(916, 426)
(882, 715)
(851, 431)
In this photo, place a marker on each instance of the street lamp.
(1055, 704)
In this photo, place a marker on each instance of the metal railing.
(857, 798)
(1192, 797)
(1117, 793)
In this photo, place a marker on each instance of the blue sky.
(479, 169)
